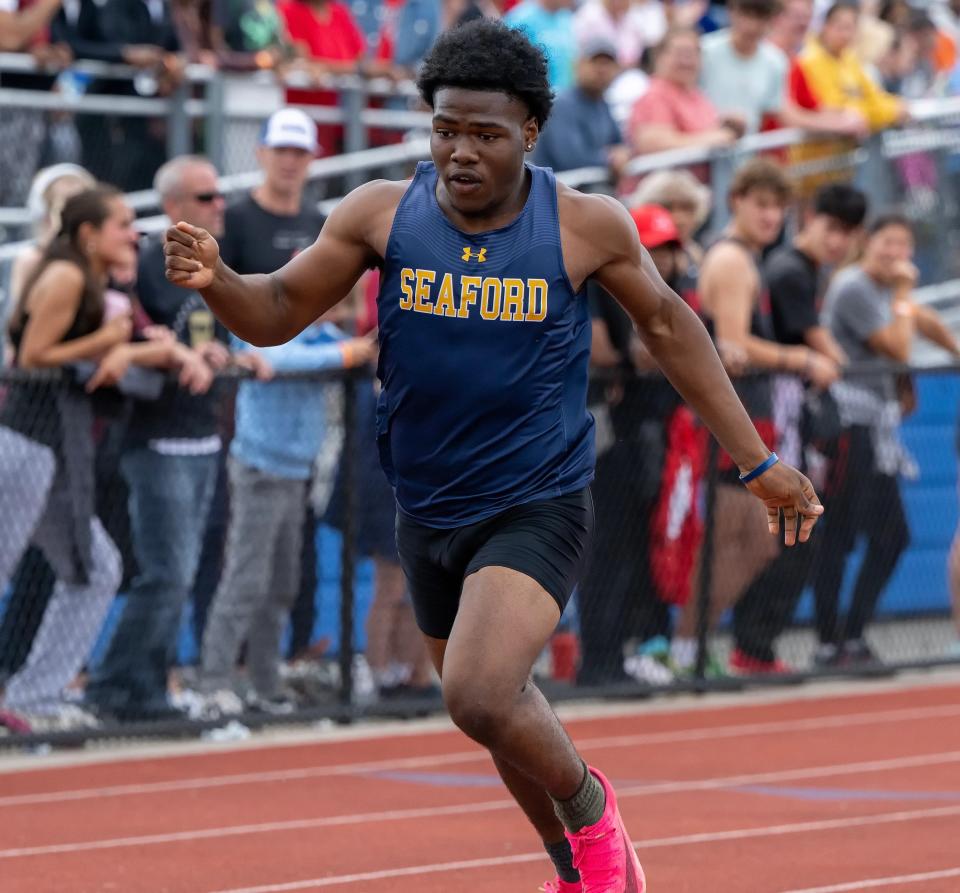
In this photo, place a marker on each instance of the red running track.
(796, 794)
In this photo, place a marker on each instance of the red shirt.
(330, 35)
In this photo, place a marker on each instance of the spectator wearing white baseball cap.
(271, 224)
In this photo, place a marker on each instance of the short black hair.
(486, 54)
(842, 6)
(889, 218)
(761, 9)
(843, 203)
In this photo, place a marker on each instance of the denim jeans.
(169, 501)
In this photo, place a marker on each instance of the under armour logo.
(470, 254)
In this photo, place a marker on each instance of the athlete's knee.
(478, 707)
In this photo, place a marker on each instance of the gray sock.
(562, 858)
(585, 807)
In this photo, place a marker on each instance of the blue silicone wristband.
(772, 460)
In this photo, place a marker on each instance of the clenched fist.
(191, 256)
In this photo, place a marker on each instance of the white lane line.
(643, 845)
(370, 818)
(893, 880)
(707, 733)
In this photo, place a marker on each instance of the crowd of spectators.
(222, 489)
(677, 73)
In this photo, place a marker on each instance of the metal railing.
(231, 109)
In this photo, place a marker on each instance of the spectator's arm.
(17, 29)
(728, 284)
(895, 339)
(54, 301)
(296, 356)
(84, 46)
(933, 328)
(649, 138)
(795, 310)
(847, 122)
(820, 339)
(859, 313)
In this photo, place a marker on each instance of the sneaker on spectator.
(13, 724)
(61, 718)
(827, 656)
(276, 705)
(212, 705)
(713, 669)
(646, 668)
(858, 653)
(745, 665)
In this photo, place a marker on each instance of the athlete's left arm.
(679, 343)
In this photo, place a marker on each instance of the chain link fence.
(163, 588)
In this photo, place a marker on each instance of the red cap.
(655, 225)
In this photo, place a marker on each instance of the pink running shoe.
(559, 886)
(603, 853)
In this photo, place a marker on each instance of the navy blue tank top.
(484, 347)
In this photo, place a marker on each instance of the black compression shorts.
(546, 540)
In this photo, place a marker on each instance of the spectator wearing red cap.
(622, 599)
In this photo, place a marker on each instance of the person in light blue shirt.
(279, 429)
(741, 73)
(549, 23)
(745, 76)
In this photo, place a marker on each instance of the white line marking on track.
(489, 806)
(654, 843)
(462, 757)
(895, 880)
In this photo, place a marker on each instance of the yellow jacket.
(842, 83)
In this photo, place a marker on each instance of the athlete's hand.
(783, 488)
(191, 256)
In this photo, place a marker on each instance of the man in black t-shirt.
(796, 276)
(272, 224)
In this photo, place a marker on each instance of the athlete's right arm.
(271, 309)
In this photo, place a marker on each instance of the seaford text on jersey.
(509, 300)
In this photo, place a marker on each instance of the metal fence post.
(722, 167)
(355, 131)
(874, 175)
(706, 563)
(179, 140)
(347, 556)
(214, 122)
